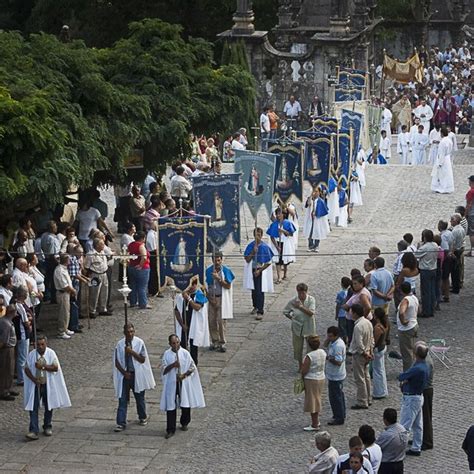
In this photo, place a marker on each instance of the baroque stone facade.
(311, 39)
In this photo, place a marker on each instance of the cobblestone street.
(253, 421)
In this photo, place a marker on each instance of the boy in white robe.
(131, 371)
(435, 138)
(386, 121)
(44, 381)
(385, 145)
(181, 386)
(403, 145)
(413, 133)
(419, 145)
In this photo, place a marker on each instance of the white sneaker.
(69, 333)
(64, 336)
(310, 428)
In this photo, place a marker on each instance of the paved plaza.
(253, 421)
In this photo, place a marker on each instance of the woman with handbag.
(313, 375)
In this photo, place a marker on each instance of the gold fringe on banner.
(410, 70)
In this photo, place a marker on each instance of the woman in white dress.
(442, 175)
(316, 222)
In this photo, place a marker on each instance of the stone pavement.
(252, 421)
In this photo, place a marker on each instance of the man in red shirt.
(470, 212)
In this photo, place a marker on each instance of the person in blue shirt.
(413, 382)
(382, 285)
(341, 298)
(258, 273)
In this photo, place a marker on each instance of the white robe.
(419, 144)
(333, 206)
(191, 395)
(199, 328)
(343, 216)
(288, 255)
(294, 220)
(452, 136)
(386, 147)
(267, 278)
(316, 228)
(435, 138)
(227, 302)
(442, 175)
(144, 379)
(360, 167)
(428, 115)
(403, 145)
(386, 122)
(56, 389)
(355, 196)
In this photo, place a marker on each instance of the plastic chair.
(439, 350)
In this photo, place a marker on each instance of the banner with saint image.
(257, 171)
(317, 158)
(181, 244)
(355, 121)
(344, 153)
(288, 168)
(218, 195)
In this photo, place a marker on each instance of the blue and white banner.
(352, 77)
(218, 195)
(288, 168)
(257, 177)
(355, 121)
(317, 158)
(181, 247)
(320, 124)
(343, 153)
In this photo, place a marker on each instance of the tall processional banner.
(317, 158)
(351, 120)
(218, 196)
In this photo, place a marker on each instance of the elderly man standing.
(326, 460)
(180, 186)
(96, 266)
(362, 349)
(427, 255)
(64, 292)
(21, 278)
(413, 383)
(459, 234)
(7, 354)
(301, 311)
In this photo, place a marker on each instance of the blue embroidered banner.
(320, 124)
(218, 195)
(352, 77)
(288, 168)
(342, 94)
(343, 153)
(181, 244)
(355, 121)
(258, 175)
(317, 158)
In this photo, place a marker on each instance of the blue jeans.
(264, 141)
(74, 312)
(378, 373)
(428, 291)
(139, 285)
(258, 296)
(41, 393)
(337, 399)
(273, 134)
(128, 385)
(22, 346)
(411, 417)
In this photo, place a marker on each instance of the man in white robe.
(452, 137)
(131, 371)
(192, 325)
(386, 121)
(181, 386)
(219, 280)
(442, 175)
(419, 144)
(44, 381)
(435, 138)
(425, 113)
(403, 145)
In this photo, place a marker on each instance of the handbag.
(298, 385)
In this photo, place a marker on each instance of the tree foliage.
(68, 111)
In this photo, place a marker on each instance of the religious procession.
(297, 288)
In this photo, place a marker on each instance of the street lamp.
(125, 257)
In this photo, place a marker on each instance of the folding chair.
(439, 350)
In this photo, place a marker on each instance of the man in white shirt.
(425, 114)
(326, 460)
(264, 129)
(236, 145)
(64, 290)
(292, 110)
(180, 186)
